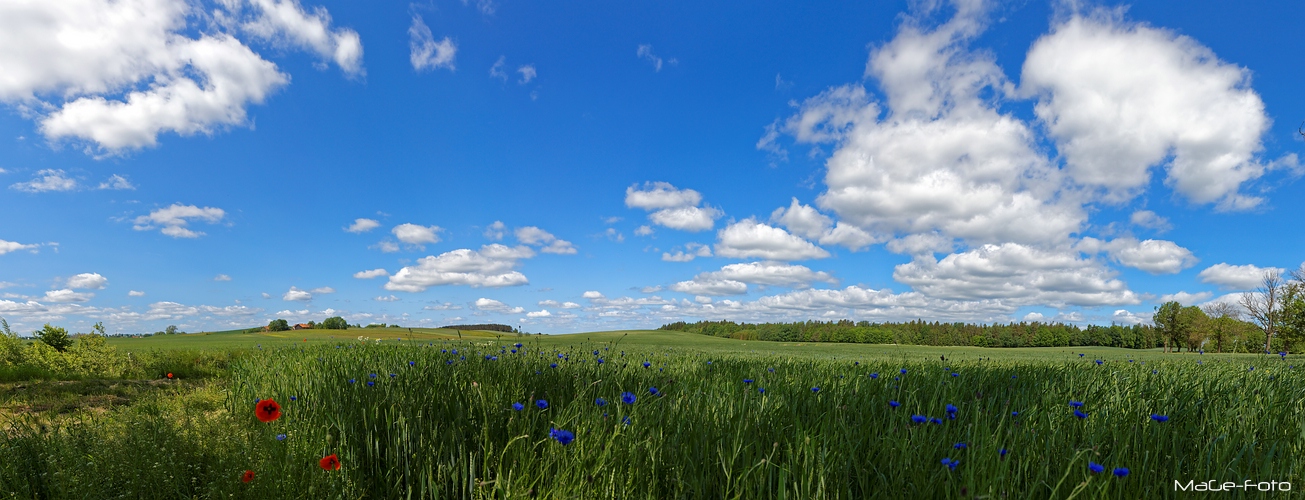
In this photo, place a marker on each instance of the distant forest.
(490, 327)
(939, 334)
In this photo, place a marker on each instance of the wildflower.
(293, 398)
(1012, 376)
(959, 446)
(247, 476)
(518, 406)
(329, 462)
(449, 362)
(1080, 354)
(372, 375)
(628, 398)
(954, 374)
(1014, 414)
(874, 375)
(1099, 362)
(951, 409)
(761, 390)
(170, 376)
(894, 404)
(951, 464)
(564, 437)
(600, 361)
(903, 371)
(1121, 471)
(653, 391)
(1153, 372)
(771, 370)
(1003, 453)
(646, 364)
(747, 381)
(514, 351)
(1096, 468)
(371, 383)
(542, 404)
(554, 365)
(352, 381)
(267, 410)
(936, 420)
(1080, 414)
(600, 402)
(1159, 418)
(517, 345)
(919, 419)
(280, 437)
(815, 389)
(393, 375)
(626, 420)
(1076, 404)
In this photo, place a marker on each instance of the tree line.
(1270, 318)
(493, 327)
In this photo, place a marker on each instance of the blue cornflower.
(646, 364)
(1014, 414)
(1012, 376)
(449, 362)
(1080, 354)
(954, 374)
(352, 381)
(444, 351)
(936, 420)
(951, 464)
(628, 398)
(292, 398)
(1096, 468)
(1153, 372)
(600, 361)
(1099, 362)
(1159, 418)
(903, 371)
(514, 351)
(559, 355)
(542, 404)
(815, 389)
(564, 437)
(455, 351)
(518, 344)
(1121, 471)
(518, 406)
(371, 383)
(600, 402)
(709, 362)
(1283, 354)
(412, 363)
(257, 400)
(1252, 369)
(771, 370)
(959, 446)
(392, 375)
(874, 375)
(747, 381)
(554, 365)
(653, 391)
(1003, 452)
(761, 390)
(1076, 404)
(626, 420)
(372, 375)
(919, 419)
(280, 437)
(951, 409)
(1080, 414)
(894, 404)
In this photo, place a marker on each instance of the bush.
(334, 323)
(55, 337)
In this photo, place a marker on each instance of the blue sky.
(579, 166)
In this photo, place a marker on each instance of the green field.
(435, 425)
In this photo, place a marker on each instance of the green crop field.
(648, 414)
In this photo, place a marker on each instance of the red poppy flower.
(169, 374)
(330, 462)
(267, 410)
(247, 476)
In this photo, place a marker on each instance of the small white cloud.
(491, 305)
(387, 246)
(1150, 220)
(1033, 316)
(10, 246)
(1230, 277)
(751, 239)
(267, 295)
(528, 73)
(295, 294)
(496, 71)
(173, 219)
(645, 52)
(442, 307)
(1152, 256)
(592, 295)
(494, 232)
(135, 293)
(66, 296)
(362, 225)
(424, 52)
(324, 289)
(374, 273)
(88, 280)
(413, 234)
(650, 289)
(614, 235)
(1185, 298)
(543, 313)
(691, 251)
(390, 298)
(47, 180)
(116, 182)
(531, 235)
(643, 231)
(710, 286)
(221, 277)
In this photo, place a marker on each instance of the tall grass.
(436, 425)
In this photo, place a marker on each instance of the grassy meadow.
(430, 415)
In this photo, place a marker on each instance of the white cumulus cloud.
(671, 207)
(416, 235)
(47, 180)
(531, 235)
(1230, 277)
(751, 239)
(221, 277)
(295, 294)
(369, 274)
(1152, 256)
(172, 220)
(424, 52)
(93, 281)
(67, 295)
(12, 246)
(492, 266)
(135, 293)
(363, 225)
